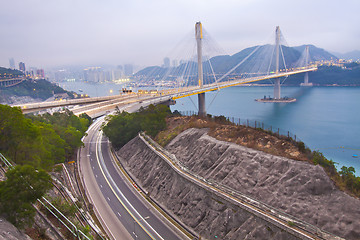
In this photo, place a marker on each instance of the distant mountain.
(260, 61)
(316, 54)
(353, 55)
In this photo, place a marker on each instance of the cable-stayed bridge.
(269, 64)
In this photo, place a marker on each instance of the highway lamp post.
(147, 217)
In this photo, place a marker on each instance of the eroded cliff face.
(298, 188)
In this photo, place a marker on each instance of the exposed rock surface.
(10, 232)
(296, 187)
(200, 210)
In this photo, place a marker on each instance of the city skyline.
(48, 34)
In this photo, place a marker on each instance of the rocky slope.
(205, 213)
(296, 187)
(10, 232)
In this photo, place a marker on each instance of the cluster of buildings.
(31, 72)
(94, 74)
(121, 73)
(174, 63)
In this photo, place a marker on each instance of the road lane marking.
(98, 156)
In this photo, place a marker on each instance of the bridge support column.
(277, 89)
(306, 77)
(277, 94)
(201, 96)
(201, 102)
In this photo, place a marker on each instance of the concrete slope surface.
(207, 214)
(298, 188)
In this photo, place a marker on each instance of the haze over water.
(324, 118)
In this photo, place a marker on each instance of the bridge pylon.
(306, 77)
(201, 96)
(277, 91)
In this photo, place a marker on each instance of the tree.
(19, 191)
(124, 126)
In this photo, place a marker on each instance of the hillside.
(353, 55)
(7, 73)
(258, 62)
(329, 75)
(29, 91)
(316, 54)
(296, 187)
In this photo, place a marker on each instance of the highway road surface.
(119, 208)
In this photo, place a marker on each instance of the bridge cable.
(237, 65)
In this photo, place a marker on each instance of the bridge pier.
(306, 77)
(201, 96)
(277, 94)
(277, 89)
(201, 102)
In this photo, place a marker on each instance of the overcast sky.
(47, 33)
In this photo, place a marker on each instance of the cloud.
(48, 32)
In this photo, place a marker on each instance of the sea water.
(324, 118)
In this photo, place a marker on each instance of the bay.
(324, 118)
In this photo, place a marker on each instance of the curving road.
(119, 208)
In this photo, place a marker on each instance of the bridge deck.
(216, 86)
(112, 101)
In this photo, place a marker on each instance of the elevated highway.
(96, 106)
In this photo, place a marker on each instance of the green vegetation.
(345, 179)
(330, 75)
(351, 182)
(40, 141)
(23, 186)
(34, 88)
(124, 126)
(9, 73)
(34, 144)
(291, 223)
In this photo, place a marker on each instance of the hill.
(330, 75)
(28, 90)
(262, 60)
(225, 154)
(353, 55)
(7, 72)
(316, 54)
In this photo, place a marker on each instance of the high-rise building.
(40, 73)
(94, 74)
(166, 62)
(128, 70)
(12, 63)
(22, 67)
